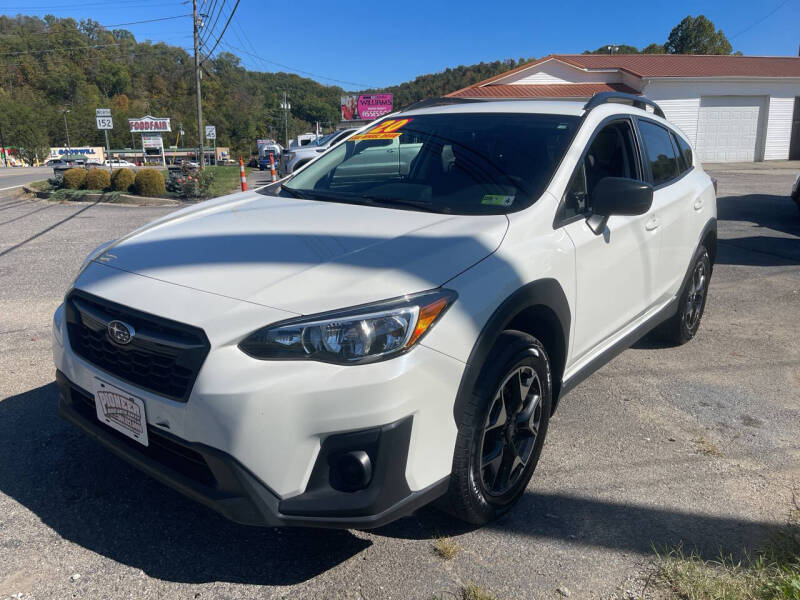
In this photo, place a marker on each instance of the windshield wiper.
(421, 204)
(367, 199)
(293, 192)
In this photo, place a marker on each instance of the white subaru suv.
(396, 322)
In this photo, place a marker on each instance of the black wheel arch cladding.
(544, 299)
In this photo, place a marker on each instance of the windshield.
(482, 163)
(324, 139)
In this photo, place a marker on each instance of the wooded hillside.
(51, 64)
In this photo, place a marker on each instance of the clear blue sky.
(370, 44)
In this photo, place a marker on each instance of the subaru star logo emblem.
(120, 333)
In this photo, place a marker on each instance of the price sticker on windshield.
(387, 130)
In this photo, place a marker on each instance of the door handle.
(652, 224)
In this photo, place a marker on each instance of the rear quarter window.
(659, 152)
(685, 151)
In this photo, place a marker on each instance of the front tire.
(501, 430)
(684, 325)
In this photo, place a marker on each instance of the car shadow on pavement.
(585, 521)
(93, 499)
(776, 221)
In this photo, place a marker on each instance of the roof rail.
(428, 102)
(637, 101)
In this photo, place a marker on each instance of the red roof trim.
(664, 65)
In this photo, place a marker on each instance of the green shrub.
(194, 185)
(122, 180)
(98, 179)
(74, 179)
(149, 182)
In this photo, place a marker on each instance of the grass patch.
(706, 446)
(226, 180)
(40, 186)
(445, 547)
(472, 591)
(773, 574)
(80, 195)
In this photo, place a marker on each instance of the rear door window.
(659, 152)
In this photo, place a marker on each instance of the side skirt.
(620, 345)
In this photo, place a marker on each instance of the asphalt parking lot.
(696, 445)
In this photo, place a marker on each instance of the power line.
(295, 70)
(761, 20)
(248, 43)
(80, 31)
(146, 21)
(210, 30)
(29, 8)
(62, 61)
(69, 48)
(20, 52)
(224, 29)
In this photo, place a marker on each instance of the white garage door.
(729, 128)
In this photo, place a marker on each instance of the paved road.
(16, 177)
(696, 444)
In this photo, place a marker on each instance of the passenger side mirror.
(618, 196)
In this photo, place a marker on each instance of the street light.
(66, 127)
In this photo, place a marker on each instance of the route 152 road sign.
(103, 116)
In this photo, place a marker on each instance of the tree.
(23, 127)
(654, 49)
(697, 35)
(614, 49)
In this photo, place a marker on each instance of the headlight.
(93, 255)
(363, 334)
(58, 320)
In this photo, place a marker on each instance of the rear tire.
(501, 430)
(683, 326)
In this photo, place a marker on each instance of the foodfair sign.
(149, 124)
(366, 106)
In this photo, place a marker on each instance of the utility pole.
(108, 152)
(197, 82)
(3, 148)
(69, 147)
(286, 106)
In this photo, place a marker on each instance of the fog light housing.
(351, 471)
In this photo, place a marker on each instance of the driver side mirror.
(618, 196)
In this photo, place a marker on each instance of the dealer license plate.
(120, 410)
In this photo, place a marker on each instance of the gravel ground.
(695, 445)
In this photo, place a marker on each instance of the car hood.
(305, 256)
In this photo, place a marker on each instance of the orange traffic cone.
(242, 175)
(272, 167)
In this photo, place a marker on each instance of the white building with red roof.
(733, 108)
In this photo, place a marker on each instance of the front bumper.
(219, 481)
(262, 427)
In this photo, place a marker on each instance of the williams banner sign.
(366, 106)
(149, 124)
